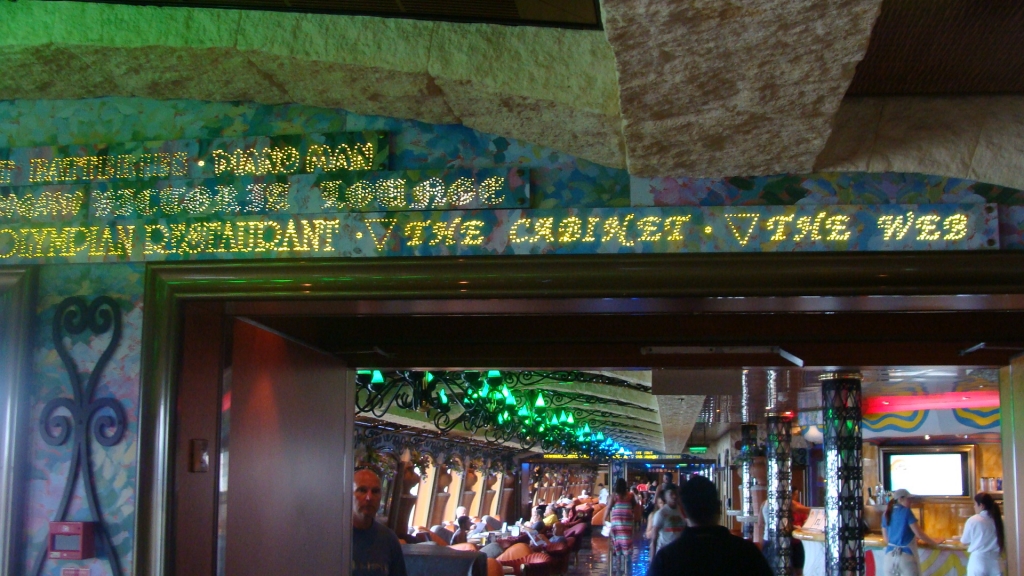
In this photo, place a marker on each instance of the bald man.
(375, 549)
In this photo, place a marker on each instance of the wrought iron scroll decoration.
(532, 378)
(561, 398)
(102, 419)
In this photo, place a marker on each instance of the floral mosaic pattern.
(841, 188)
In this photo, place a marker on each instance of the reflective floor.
(593, 560)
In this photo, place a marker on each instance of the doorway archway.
(615, 285)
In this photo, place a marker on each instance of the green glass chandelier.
(490, 404)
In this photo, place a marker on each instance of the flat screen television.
(929, 471)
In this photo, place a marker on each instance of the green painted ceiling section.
(517, 81)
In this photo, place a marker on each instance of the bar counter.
(947, 559)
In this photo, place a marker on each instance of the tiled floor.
(593, 560)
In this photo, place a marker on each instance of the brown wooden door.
(277, 497)
(290, 442)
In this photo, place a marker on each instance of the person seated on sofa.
(539, 540)
(447, 529)
(536, 522)
(571, 517)
(550, 516)
(462, 532)
(486, 524)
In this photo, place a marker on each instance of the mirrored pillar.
(779, 527)
(748, 445)
(844, 478)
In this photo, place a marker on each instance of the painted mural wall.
(556, 181)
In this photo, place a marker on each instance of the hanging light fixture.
(486, 403)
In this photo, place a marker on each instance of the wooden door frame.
(17, 316)
(170, 284)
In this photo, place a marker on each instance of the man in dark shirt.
(461, 535)
(666, 484)
(375, 549)
(705, 548)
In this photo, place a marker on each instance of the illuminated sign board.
(647, 455)
(326, 173)
(496, 232)
(261, 156)
(330, 195)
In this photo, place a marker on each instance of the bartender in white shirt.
(984, 537)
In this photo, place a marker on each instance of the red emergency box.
(72, 540)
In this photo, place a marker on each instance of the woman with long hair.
(984, 537)
(900, 531)
(621, 513)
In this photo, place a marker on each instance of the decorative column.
(844, 478)
(779, 529)
(618, 470)
(748, 445)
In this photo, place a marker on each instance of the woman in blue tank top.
(901, 531)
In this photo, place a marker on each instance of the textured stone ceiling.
(698, 88)
(678, 417)
(720, 88)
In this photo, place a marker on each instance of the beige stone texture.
(213, 74)
(678, 417)
(853, 135)
(359, 89)
(589, 135)
(717, 88)
(364, 65)
(980, 138)
(48, 72)
(541, 84)
(999, 157)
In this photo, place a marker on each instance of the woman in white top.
(983, 535)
